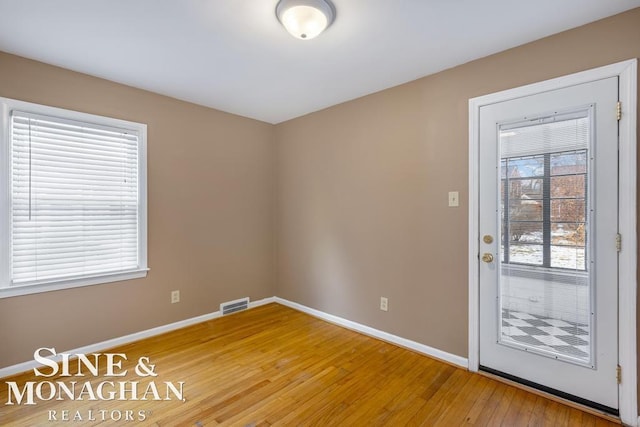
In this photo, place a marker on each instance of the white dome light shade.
(304, 22)
(305, 19)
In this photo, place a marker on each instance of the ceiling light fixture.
(305, 19)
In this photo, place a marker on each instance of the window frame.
(7, 106)
(546, 221)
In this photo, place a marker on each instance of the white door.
(548, 255)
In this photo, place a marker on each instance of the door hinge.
(619, 242)
(619, 110)
(619, 374)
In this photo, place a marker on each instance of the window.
(76, 186)
(544, 192)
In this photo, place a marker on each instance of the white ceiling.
(234, 56)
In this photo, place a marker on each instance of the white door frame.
(627, 73)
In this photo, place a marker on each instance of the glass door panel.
(545, 286)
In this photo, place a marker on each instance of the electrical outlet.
(384, 304)
(175, 297)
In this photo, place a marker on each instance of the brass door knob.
(487, 257)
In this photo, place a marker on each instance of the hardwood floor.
(275, 366)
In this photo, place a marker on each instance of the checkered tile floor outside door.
(546, 333)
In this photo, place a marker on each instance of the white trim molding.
(95, 123)
(376, 333)
(126, 339)
(358, 327)
(626, 72)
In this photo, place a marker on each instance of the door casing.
(626, 71)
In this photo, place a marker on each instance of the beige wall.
(363, 188)
(210, 217)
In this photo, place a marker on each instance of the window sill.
(547, 274)
(27, 289)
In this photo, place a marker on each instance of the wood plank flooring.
(276, 366)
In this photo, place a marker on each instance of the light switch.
(454, 199)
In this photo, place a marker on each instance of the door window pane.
(568, 234)
(525, 254)
(546, 200)
(568, 257)
(544, 281)
(525, 232)
(568, 186)
(569, 163)
(524, 167)
(525, 189)
(525, 210)
(567, 210)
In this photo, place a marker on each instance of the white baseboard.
(385, 336)
(115, 342)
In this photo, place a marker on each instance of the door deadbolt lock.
(487, 257)
(487, 239)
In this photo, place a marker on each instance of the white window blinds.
(75, 201)
(555, 133)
